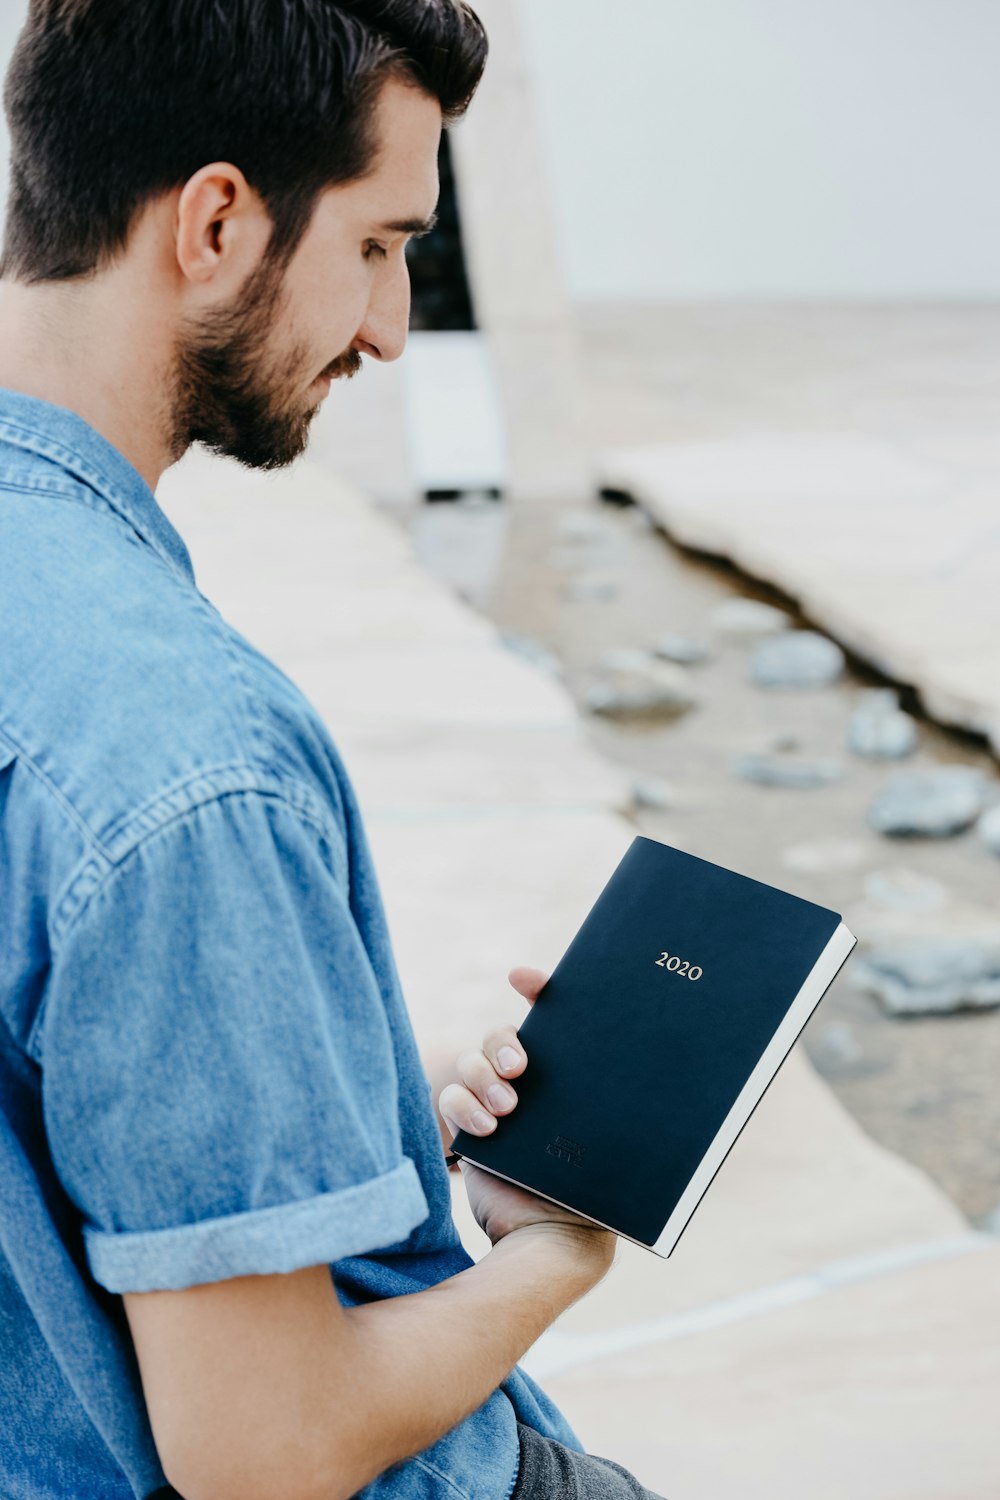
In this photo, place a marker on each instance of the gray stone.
(793, 771)
(576, 560)
(584, 542)
(878, 700)
(902, 890)
(990, 1223)
(988, 829)
(591, 586)
(931, 804)
(879, 729)
(782, 741)
(932, 976)
(638, 700)
(747, 619)
(836, 1049)
(796, 659)
(653, 794)
(636, 684)
(681, 649)
(531, 650)
(880, 924)
(581, 526)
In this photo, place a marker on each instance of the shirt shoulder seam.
(172, 808)
(96, 871)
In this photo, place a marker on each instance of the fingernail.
(500, 1097)
(507, 1058)
(482, 1121)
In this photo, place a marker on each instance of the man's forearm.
(270, 1387)
(422, 1362)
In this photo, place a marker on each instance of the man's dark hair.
(111, 103)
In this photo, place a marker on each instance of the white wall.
(12, 14)
(763, 148)
(771, 148)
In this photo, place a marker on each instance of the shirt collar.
(61, 436)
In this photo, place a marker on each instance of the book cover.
(656, 1036)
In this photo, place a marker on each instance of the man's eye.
(374, 250)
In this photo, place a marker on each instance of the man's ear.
(222, 227)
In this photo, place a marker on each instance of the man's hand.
(441, 1068)
(476, 1105)
(485, 1091)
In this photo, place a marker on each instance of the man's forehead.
(398, 192)
(408, 134)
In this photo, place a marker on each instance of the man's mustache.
(345, 365)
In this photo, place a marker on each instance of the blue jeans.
(550, 1471)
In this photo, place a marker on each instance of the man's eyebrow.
(416, 227)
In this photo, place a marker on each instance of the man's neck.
(79, 345)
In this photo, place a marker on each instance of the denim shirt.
(207, 1068)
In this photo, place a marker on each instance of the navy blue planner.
(655, 1038)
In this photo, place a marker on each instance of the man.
(228, 1266)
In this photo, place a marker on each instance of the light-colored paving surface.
(828, 1325)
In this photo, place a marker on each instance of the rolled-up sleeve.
(218, 1073)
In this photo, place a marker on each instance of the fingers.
(504, 1051)
(528, 982)
(484, 1092)
(461, 1110)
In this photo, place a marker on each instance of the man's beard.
(230, 394)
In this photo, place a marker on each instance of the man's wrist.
(589, 1251)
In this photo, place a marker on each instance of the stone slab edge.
(833, 610)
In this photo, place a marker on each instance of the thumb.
(528, 982)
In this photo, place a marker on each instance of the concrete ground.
(829, 1324)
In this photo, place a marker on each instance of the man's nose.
(384, 330)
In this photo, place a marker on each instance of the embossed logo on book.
(566, 1149)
